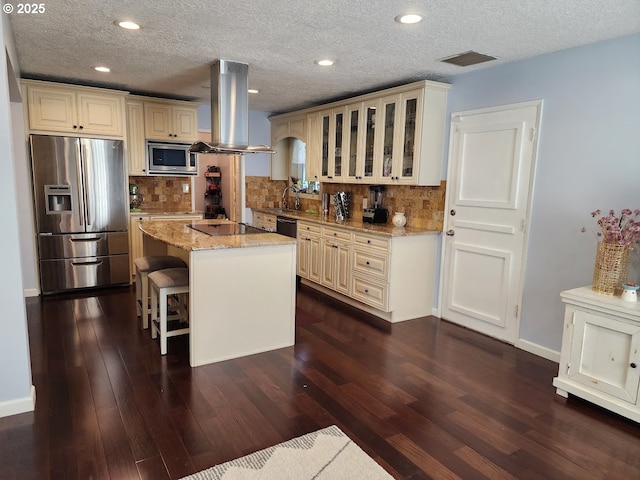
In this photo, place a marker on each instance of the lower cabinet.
(389, 276)
(265, 221)
(600, 355)
(135, 235)
(309, 252)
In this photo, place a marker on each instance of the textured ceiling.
(281, 39)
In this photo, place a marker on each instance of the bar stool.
(163, 283)
(145, 266)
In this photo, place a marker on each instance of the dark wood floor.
(425, 398)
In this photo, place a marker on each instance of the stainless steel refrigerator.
(81, 211)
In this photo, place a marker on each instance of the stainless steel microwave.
(166, 158)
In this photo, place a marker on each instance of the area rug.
(327, 454)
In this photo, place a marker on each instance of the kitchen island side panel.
(242, 301)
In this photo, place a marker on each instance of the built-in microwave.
(166, 158)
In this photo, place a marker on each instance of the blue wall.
(588, 158)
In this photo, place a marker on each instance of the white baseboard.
(435, 311)
(31, 292)
(19, 405)
(538, 350)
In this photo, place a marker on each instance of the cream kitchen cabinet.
(79, 110)
(309, 252)
(336, 259)
(394, 136)
(289, 127)
(169, 120)
(389, 276)
(135, 141)
(600, 354)
(135, 235)
(265, 221)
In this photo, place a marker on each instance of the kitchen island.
(242, 286)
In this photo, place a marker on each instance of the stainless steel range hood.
(229, 112)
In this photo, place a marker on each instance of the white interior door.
(491, 164)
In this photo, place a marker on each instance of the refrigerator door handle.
(85, 183)
(80, 264)
(92, 239)
(80, 188)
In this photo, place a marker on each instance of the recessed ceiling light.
(325, 63)
(102, 69)
(128, 25)
(253, 90)
(407, 18)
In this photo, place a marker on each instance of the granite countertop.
(179, 235)
(387, 229)
(160, 211)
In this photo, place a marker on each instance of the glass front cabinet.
(395, 136)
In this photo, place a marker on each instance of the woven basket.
(611, 268)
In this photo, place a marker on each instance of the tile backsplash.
(423, 206)
(163, 193)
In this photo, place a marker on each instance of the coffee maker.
(375, 212)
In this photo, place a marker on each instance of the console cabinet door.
(605, 353)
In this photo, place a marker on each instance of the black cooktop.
(226, 229)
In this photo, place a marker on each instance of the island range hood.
(229, 112)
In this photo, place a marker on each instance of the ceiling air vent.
(467, 58)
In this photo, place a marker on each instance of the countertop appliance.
(166, 158)
(82, 212)
(376, 213)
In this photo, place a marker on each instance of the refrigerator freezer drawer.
(72, 273)
(82, 245)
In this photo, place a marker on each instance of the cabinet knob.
(366, 290)
(75, 126)
(367, 263)
(81, 127)
(633, 365)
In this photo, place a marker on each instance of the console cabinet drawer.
(371, 293)
(371, 264)
(337, 233)
(362, 239)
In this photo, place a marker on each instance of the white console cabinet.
(600, 356)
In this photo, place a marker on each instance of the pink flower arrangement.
(621, 230)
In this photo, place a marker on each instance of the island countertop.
(178, 234)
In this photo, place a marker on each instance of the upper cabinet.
(135, 141)
(172, 121)
(394, 136)
(78, 110)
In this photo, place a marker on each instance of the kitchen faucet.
(285, 204)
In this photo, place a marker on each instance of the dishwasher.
(287, 226)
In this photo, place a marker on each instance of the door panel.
(56, 165)
(601, 353)
(58, 275)
(491, 164)
(104, 181)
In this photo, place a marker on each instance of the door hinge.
(533, 132)
(568, 367)
(523, 225)
(517, 310)
(573, 318)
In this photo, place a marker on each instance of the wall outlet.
(185, 188)
(365, 202)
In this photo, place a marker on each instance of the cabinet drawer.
(309, 228)
(337, 233)
(370, 240)
(371, 293)
(371, 264)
